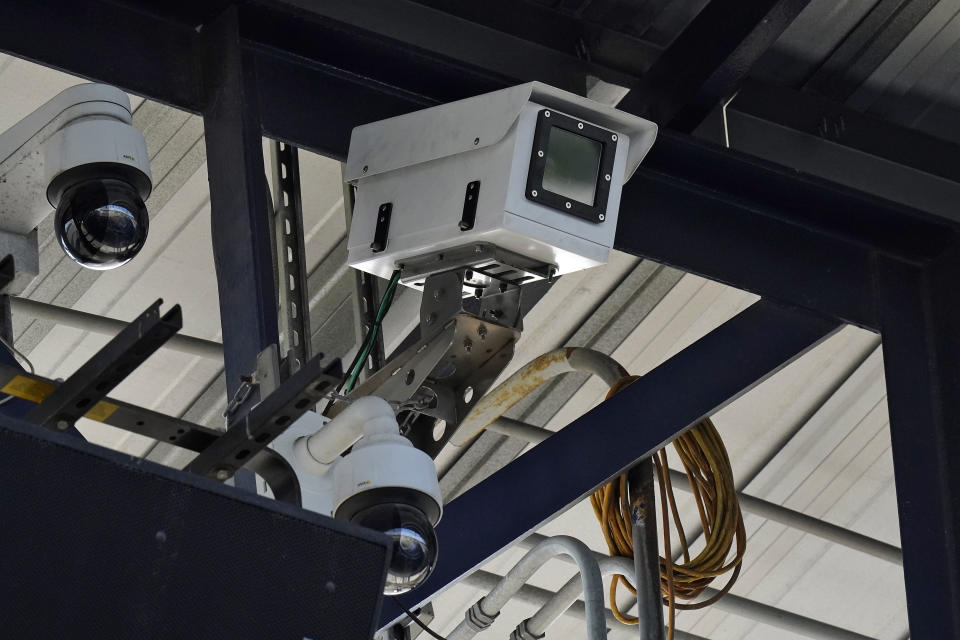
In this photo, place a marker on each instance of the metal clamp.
(477, 619)
(522, 632)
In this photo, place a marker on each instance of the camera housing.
(79, 154)
(522, 183)
(383, 482)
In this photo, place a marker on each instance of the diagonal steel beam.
(611, 438)
(709, 59)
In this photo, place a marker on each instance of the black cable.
(417, 620)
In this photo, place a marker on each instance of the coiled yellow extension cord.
(704, 458)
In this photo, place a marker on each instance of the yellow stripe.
(101, 411)
(38, 390)
(28, 389)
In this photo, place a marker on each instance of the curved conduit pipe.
(482, 614)
(536, 625)
(540, 370)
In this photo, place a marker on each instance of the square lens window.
(572, 165)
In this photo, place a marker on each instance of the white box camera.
(520, 183)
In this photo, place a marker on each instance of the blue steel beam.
(920, 312)
(239, 207)
(615, 435)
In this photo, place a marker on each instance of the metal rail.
(105, 326)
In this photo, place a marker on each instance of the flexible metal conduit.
(534, 374)
(748, 503)
(110, 327)
(510, 584)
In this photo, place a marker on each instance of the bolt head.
(63, 425)
(602, 217)
(534, 193)
(222, 474)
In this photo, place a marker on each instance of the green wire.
(371, 338)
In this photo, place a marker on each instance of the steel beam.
(239, 205)
(615, 435)
(146, 55)
(822, 138)
(767, 229)
(749, 504)
(709, 59)
(920, 312)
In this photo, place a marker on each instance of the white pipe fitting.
(521, 573)
(368, 416)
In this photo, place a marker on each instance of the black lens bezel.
(547, 118)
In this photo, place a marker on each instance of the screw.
(567, 205)
(482, 332)
(222, 473)
(546, 114)
(579, 125)
(602, 217)
(539, 154)
(63, 425)
(467, 345)
(614, 137)
(607, 177)
(534, 193)
(438, 294)
(478, 249)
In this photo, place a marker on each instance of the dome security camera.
(80, 154)
(384, 483)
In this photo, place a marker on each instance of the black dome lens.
(101, 224)
(414, 552)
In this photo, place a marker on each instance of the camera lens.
(414, 552)
(101, 223)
